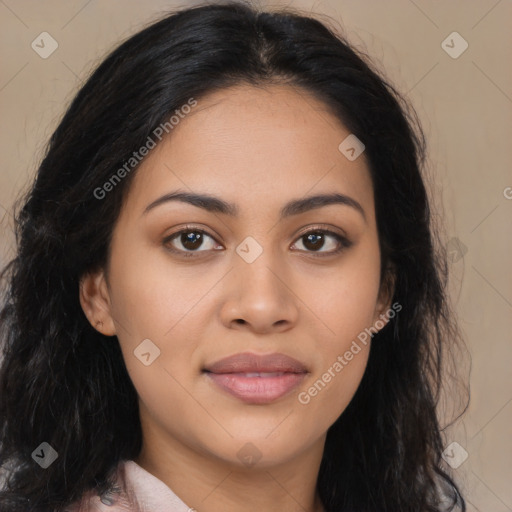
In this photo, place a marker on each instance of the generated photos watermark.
(304, 397)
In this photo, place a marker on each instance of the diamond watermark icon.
(456, 250)
(455, 455)
(454, 45)
(249, 454)
(44, 455)
(351, 147)
(146, 352)
(44, 45)
(249, 249)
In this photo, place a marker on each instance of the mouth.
(256, 379)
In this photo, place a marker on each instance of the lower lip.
(257, 390)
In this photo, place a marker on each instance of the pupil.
(314, 239)
(191, 240)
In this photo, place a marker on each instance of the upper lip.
(247, 362)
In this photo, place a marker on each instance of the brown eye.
(189, 241)
(315, 241)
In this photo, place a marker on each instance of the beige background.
(466, 108)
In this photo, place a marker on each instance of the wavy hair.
(64, 383)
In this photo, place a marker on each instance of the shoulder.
(135, 490)
(113, 502)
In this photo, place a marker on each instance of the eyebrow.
(293, 207)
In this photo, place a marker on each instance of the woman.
(227, 294)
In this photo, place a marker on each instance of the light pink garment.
(140, 491)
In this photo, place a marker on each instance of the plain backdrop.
(465, 104)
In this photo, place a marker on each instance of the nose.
(260, 297)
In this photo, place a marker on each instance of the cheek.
(345, 296)
(154, 300)
(153, 296)
(346, 306)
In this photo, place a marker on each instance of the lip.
(257, 379)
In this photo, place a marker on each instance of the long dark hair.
(63, 383)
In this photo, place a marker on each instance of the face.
(270, 273)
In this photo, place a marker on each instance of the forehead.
(249, 143)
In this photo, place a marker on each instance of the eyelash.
(344, 243)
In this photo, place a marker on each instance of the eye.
(317, 239)
(189, 240)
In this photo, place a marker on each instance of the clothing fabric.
(136, 490)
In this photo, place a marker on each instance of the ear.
(386, 292)
(96, 303)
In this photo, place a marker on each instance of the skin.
(258, 148)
